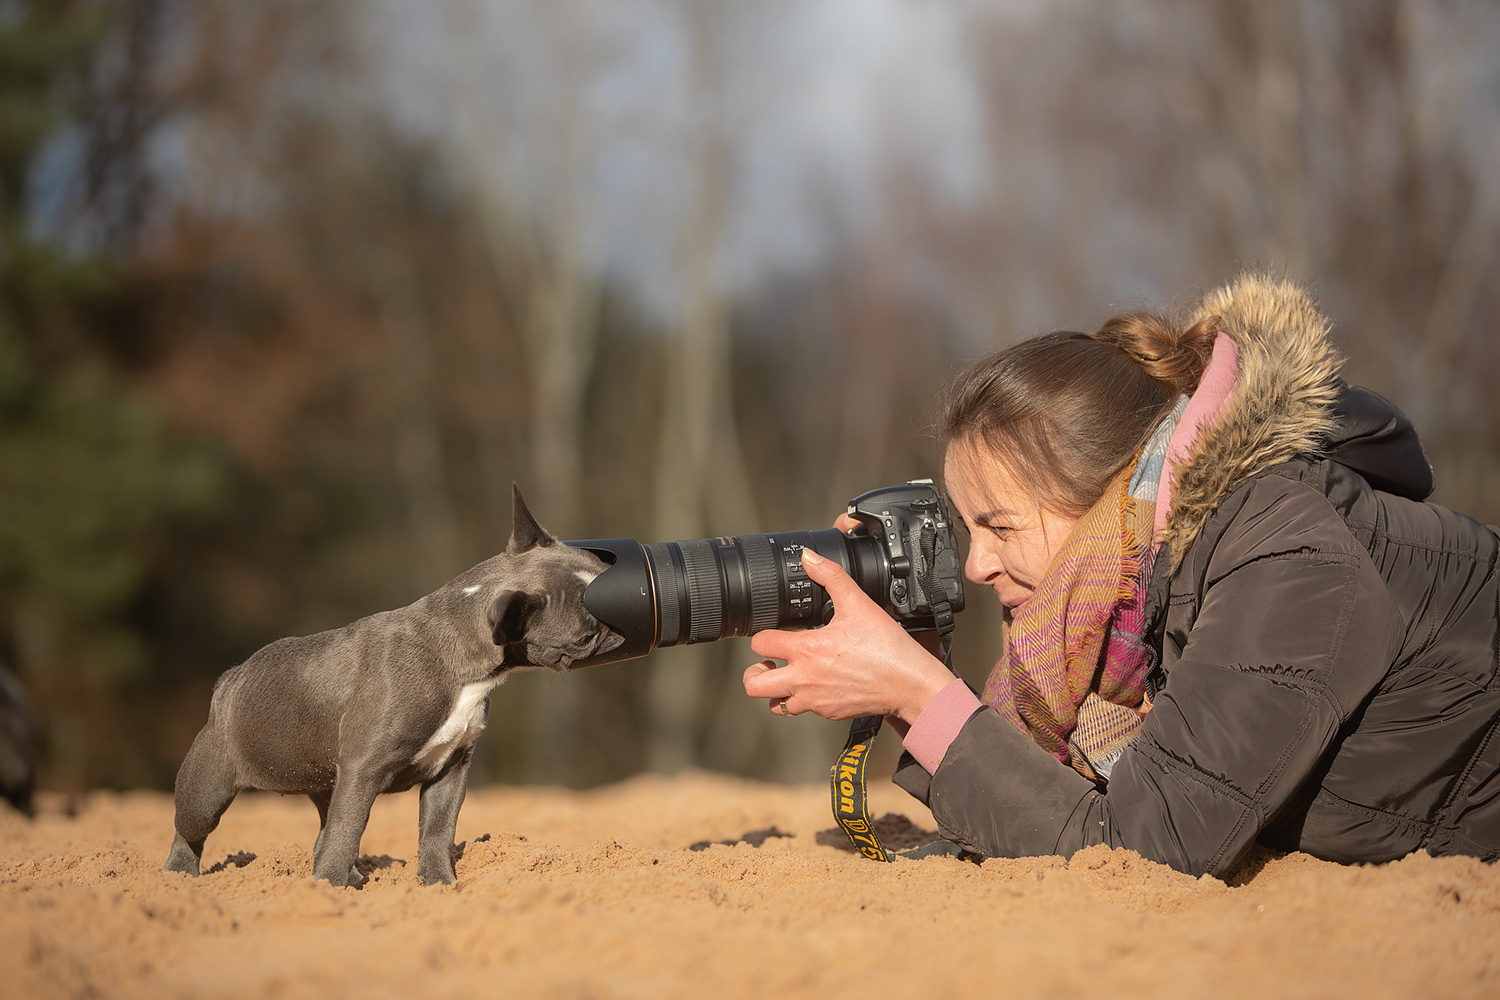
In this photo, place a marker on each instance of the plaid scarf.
(1073, 676)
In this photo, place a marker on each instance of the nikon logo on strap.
(850, 807)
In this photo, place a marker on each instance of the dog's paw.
(182, 858)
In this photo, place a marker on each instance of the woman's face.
(1011, 539)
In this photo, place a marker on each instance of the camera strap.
(851, 807)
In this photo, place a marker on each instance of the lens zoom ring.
(668, 597)
(765, 582)
(705, 592)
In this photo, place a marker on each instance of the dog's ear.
(525, 533)
(508, 614)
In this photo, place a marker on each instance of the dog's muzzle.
(601, 642)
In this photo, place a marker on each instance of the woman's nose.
(983, 563)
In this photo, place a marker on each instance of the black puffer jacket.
(1327, 678)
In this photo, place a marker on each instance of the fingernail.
(808, 555)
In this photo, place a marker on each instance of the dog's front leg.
(206, 783)
(442, 797)
(321, 800)
(354, 792)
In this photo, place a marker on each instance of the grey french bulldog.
(389, 702)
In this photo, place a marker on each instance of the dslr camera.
(903, 554)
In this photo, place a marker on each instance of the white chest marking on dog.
(472, 590)
(462, 727)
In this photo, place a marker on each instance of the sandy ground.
(600, 894)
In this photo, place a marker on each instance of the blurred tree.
(1149, 148)
(701, 484)
(560, 316)
(1358, 145)
(89, 476)
(382, 351)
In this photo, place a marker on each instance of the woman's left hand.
(861, 663)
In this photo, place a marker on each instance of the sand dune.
(601, 894)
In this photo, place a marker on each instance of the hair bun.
(1165, 349)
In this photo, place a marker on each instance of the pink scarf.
(1073, 676)
(1074, 670)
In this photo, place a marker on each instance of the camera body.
(904, 556)
(899, 516)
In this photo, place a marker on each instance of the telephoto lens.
(904, 555)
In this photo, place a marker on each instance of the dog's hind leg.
(206, 783)
(354, 792)
(442, 797)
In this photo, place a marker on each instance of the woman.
(1230, 618)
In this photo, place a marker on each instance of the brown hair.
(1070, 410)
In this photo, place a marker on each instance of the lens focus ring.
(765, 583)
(705, 592)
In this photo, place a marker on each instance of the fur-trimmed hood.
(1288, 401)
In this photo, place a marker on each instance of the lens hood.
(622, 597)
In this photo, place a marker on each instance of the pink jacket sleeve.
(939, 723)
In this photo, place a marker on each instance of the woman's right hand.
(861, 663)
